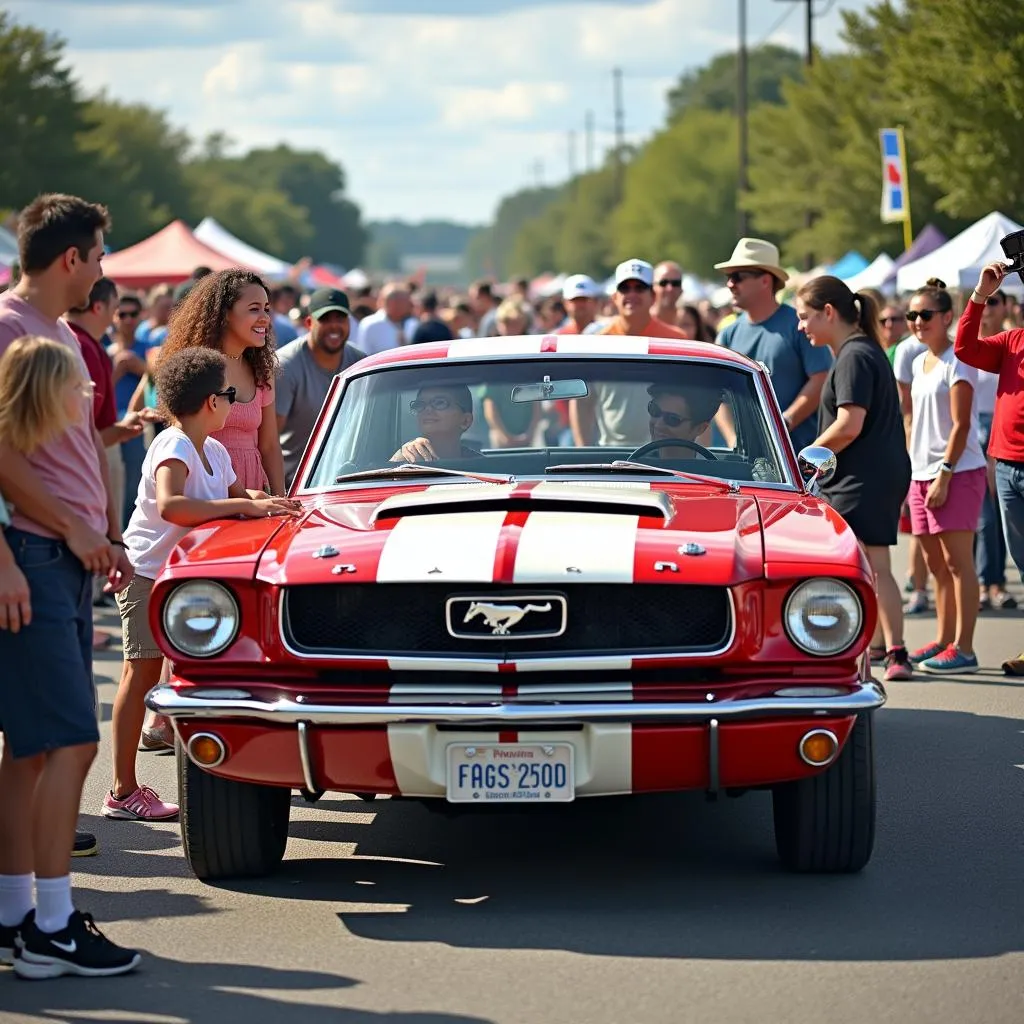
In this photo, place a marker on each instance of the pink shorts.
(960, 511)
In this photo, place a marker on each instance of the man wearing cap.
(616, 414)
(767, 332)
(308, 365)
(580, 295)
(668, 290)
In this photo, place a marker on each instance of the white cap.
(634, 270)
(579, 286)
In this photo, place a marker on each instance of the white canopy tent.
(964, 255)
(873, 275)
(8, 248)
(211, 233)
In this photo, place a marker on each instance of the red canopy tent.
(168, 257)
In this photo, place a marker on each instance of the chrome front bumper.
(243, 705)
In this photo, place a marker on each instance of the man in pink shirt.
(64, 528)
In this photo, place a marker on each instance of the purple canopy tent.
(928, 240)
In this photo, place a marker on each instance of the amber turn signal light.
(819, 747)
(206, 749)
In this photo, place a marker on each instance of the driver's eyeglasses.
(670, 419)
(924, 314)
(439, 404)
(228, 393)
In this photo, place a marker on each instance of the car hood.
(549, 532)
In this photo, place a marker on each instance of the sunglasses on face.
(128, 314)
(670, 282)
(632, 288)
(886, 320)
(228, 393)
(670, 419)
(993, 300)
(439, 404)
(924, 314)
(743, 275)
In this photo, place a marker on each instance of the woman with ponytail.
(859, 420)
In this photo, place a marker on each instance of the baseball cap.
(327, 300)
(634, 270)
(579, 286)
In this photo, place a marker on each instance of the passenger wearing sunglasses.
(683, 413)
(668, 290)
(443, 414)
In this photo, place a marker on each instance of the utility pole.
(620, 130)
(742, 184)
(589, 140)
(538, 173)
(808, 62)
(571, 153)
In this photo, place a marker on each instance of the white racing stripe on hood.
(554, 544)
(463, 347)
(462, 545)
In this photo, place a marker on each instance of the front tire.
(230, 829)
(826, 823)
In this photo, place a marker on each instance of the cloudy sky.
(436, 108)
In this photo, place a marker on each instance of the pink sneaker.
(142, 805)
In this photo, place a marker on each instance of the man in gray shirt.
(308, 365)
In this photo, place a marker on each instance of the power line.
(779, 22)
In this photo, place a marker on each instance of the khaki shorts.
(133, 604)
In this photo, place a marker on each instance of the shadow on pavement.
(176, 991)
(676, 876)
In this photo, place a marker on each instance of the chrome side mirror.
(817, 466)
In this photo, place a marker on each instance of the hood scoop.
(609, 499)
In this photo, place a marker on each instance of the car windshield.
(492, 419)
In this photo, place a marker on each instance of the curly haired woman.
(230, 312)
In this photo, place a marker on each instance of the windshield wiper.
(625, 466)
(419, 469)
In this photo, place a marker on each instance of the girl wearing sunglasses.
(948, 480)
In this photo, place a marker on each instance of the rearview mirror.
(550, 390)
(817, 466)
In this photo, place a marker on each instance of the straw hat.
(755, 254)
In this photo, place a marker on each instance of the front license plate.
(510, 773)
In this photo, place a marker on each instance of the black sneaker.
(85, 845)
(80, 948)
(10, 938)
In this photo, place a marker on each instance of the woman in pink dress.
(230, 312)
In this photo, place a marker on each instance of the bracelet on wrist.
(117, 543)
(977, 297)
(947, 467)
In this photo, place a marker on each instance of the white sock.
(15, 898)
(53, 904)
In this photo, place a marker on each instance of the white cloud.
(434, 107)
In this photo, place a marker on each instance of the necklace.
(236, 358)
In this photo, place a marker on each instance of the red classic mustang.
(529, 569)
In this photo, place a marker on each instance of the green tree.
(680, 194)
(585, 243)
(133, 159)
(489, 252)
(41, 114)
(960, 81)
(311, 180)
(713, 87)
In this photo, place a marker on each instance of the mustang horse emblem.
(502, 617)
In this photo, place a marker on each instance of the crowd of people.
(126, 420)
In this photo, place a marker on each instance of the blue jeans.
(1010, 489)
(989, 544)
(47, 699)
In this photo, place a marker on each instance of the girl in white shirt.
(948, 480)
(187, 480)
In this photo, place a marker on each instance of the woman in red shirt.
(1002, 353)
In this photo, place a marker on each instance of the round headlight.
(201, 618)
(823, 616)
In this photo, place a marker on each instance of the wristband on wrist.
(977, 297)
(947, 467)
(117, 543)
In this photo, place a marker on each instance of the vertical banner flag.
(895, 186)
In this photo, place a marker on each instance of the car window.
(698, 417)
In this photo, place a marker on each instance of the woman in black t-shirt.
(859, 420)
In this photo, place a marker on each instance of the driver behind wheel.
(443, 414)
(684, 413)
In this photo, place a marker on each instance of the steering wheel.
(672, 442)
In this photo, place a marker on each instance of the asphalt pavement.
(651, 909)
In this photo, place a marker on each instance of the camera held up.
(1013, 248)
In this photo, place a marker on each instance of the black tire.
(826, 823)
(230, 829)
